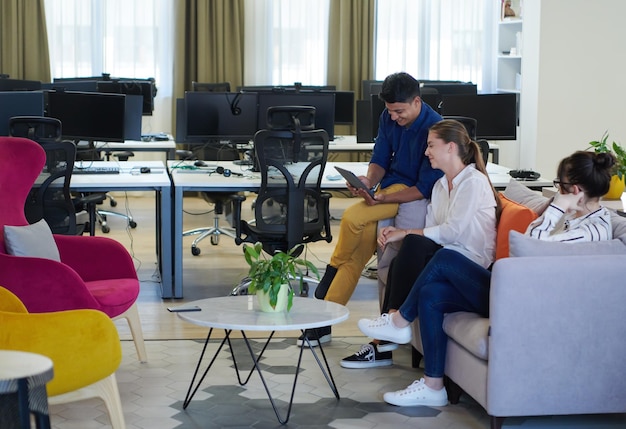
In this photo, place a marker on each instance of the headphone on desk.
(226, 172)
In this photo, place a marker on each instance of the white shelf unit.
(509, 67)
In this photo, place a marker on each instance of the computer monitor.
(344, 107)
(220, 116)
(324, 103)
(145, 88)
(19, 103)
(72, 85)
(211, 86)
(19, 85)
(496, 114)
(450, 87)
(371, 87)
(90, 116)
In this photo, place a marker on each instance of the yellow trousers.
(357, 243)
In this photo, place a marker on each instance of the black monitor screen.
(19, 85)
(324, 103)
(344, 107)
(89, 116)
(371, 87)
(446, 87)
(496, 114)
(19, 103)
(72, 85)
(145, 88)
(220, 115)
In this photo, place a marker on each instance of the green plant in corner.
(268, 274)
(602, 146)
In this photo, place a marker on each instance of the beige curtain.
(209, 43)
(351, 45)
(23, 41)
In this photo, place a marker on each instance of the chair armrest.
(83, 344)
(551, 318)
(43, 284)
(95, 258)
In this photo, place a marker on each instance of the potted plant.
(617, 181)
(271, 277)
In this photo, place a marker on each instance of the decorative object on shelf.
(270, 274)
(617, 181)
(510, 9)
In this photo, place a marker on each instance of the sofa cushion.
(34, 240)
(619, 226)
(469, 330)
(514, 217)
(523, 245)
(525, 196)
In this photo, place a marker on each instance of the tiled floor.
(153, 392)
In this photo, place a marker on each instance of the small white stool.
(23, 378)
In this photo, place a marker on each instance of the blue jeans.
(449, 283)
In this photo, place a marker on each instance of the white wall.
(574, 78)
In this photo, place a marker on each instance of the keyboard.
(96, 170)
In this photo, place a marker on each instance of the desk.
(130, 179)
(169, 147)
(202, 179)
(241, 313)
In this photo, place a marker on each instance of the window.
(436, 39)
(285, 42)
(125, 38)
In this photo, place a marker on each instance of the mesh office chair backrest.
(50, 198)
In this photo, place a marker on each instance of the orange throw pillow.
(515, 217)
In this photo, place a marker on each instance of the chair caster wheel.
(113, 203)
(132, 224)
(215, 240)
(106, 229)
(195, 251)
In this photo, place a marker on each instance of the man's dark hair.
(399, 88)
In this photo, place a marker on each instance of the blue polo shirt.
(400, 151)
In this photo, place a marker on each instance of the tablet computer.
(354, 181)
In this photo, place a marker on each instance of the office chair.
(51, 198)
(220, 200)
(471, 125)
(290, 207)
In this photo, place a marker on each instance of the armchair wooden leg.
(416, 357)
(105, 389)
(496, 422)
(453, 389)
(132, 316)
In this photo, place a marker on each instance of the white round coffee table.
(25, 375)
(241, 313)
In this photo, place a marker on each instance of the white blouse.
(464, 219)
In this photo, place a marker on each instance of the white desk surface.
(241, 313)
(250, 181)
(129, 178)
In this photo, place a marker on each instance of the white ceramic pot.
(281, 303)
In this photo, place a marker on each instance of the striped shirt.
(556, 225)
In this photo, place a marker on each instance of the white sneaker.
(417, 394)
(382, 328)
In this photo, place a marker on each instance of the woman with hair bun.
(576, 214)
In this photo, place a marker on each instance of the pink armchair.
(94, 272)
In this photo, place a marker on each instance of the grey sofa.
(555, 340)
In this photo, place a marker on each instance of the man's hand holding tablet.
(354, 181)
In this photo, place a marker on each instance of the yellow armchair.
(83, 344)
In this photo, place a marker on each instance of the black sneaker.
(315, 336)
(367, 357)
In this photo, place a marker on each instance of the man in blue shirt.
(402, 173)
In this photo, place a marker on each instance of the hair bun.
(604, 160)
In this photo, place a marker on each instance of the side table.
(241, 313)
(23, 378)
